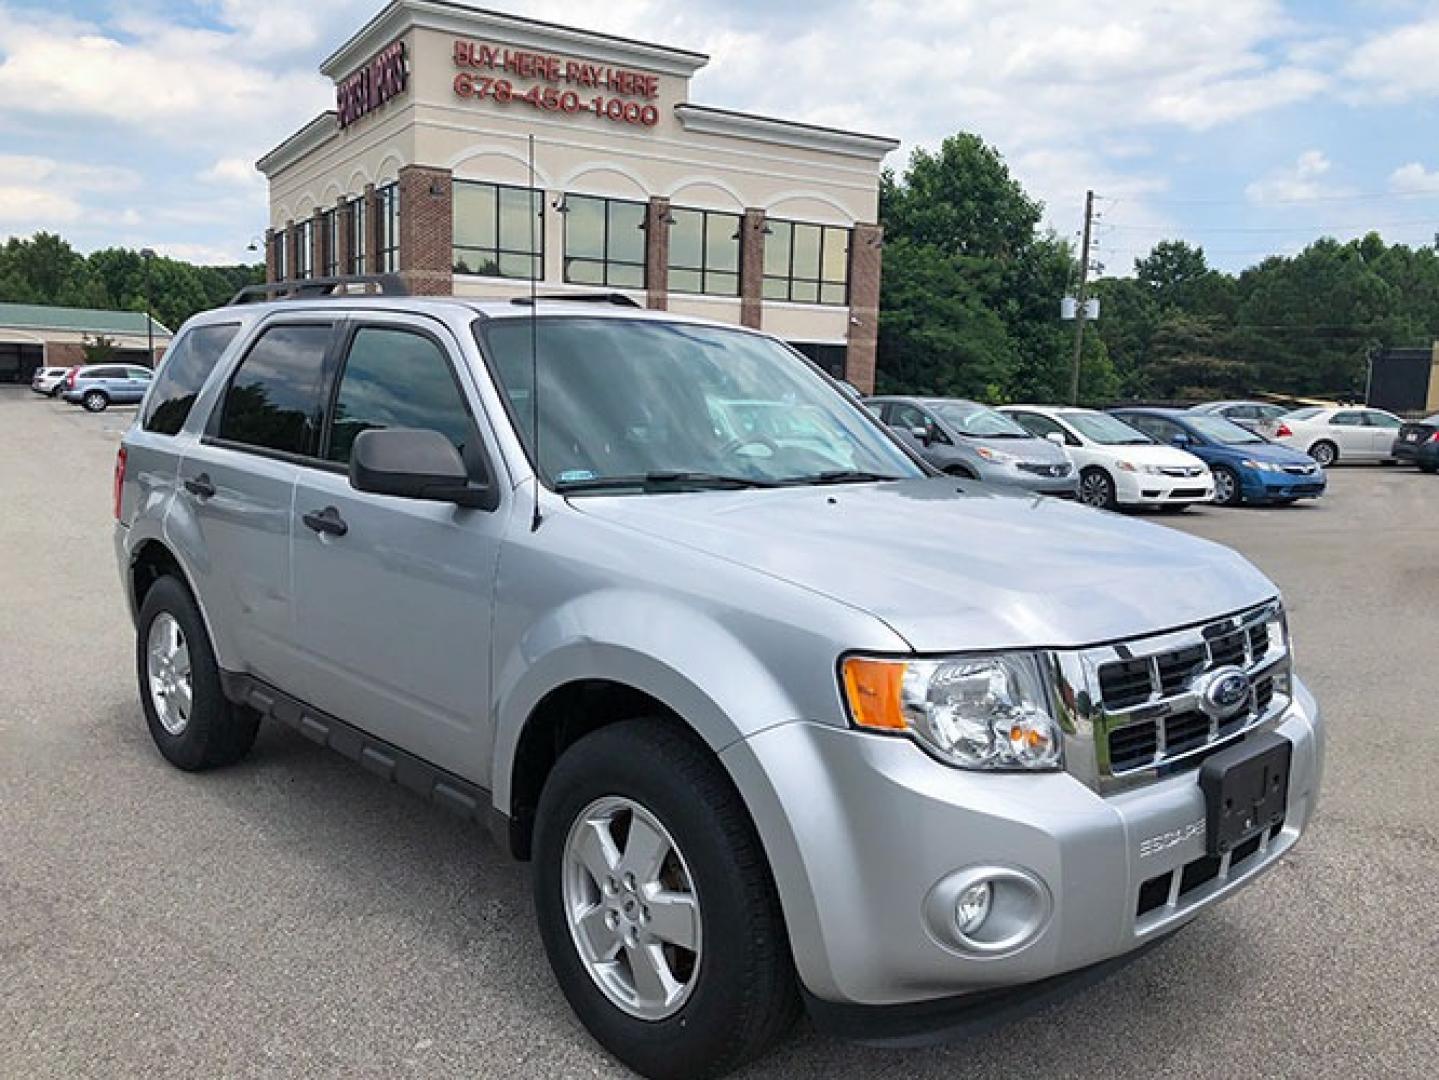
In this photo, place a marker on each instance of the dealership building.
(482, 154)
(33, 336)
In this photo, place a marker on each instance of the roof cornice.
(453, 18)
(319, 131)
(706, 120)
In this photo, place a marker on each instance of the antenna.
(534, 337)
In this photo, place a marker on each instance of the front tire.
(1096, 488)
(192, 722)
(1227, 490)
(95, 401)
(656, 904)
(1324, 452)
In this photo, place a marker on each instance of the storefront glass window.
(304, 249)
(330, 232)
(704, 252)
(357, 235)
(389, 208)
(282, 255)
(604, 242)
(807, 264)
(499, 231)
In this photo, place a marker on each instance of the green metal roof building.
(36, 335)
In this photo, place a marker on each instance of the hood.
(1154, 454)
(1040, 451)
(952, 566)
(1268, 451)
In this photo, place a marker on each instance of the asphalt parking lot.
(294, 916)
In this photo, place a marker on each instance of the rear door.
(1383, 430)
(237, 489)
(393, 616)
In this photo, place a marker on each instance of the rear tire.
(95, 401)
(1324, 452)
(739, 992)
(1429, 468)
(193, 724)
(1176, 508)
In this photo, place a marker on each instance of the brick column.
(271, 269)
(372, 230)
(657, 253)
(751, 269)
(317, 242)
(865, 242)
(342, 240)
(427, 230)
(292, 249)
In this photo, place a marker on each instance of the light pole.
(148, 255)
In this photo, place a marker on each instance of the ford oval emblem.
(1223, 692)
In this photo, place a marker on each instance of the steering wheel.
(734, 446)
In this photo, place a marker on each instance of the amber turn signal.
(873, 688)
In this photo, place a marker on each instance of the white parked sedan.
(1349, 433)
(1118, 465)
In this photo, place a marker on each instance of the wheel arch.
(150, 560)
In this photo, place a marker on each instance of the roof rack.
(311, 288)
(618, 299)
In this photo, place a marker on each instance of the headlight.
(1262, 466)
(999, 457)
(1149, 470)
(976, 712)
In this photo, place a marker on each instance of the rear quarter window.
(182, 373)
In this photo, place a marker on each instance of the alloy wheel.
(632, 908)
(1094, 490)
(1224, 487)
(167, 670)
(1324, 454)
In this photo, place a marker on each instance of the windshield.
(632, 403)
(978, 422)
(1105, 429)
(1225, 432)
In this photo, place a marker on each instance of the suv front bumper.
(859, 829)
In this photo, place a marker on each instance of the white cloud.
(232, 172)
(1397, 66)
(1414, 179)
(1303, 181)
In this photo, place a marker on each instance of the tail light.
(120, 456)
(70, 378)
(1283, 431)
(1435, 437)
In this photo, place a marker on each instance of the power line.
(1369, 226)
(1294, 200)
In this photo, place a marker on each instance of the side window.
(1153, 426)
(1041, 426)
(1347, 419)
(907, 417)
(183, 371)
(274, 398)
(1242, 412)
(1382, 420)
(399, 379)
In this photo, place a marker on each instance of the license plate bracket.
(1246, 790)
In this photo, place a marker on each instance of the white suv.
(1119, 465)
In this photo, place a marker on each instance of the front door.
(1352, 435)
(393, 615)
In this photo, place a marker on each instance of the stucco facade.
(435, 95)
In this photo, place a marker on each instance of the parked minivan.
(783, 719)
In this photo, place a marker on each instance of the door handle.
(327, 521)
(200, 487)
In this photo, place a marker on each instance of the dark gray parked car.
(965, 438)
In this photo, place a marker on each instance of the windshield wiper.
(658, 479)
(843, 476)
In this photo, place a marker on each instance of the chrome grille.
(1142, 708)
(1181, 470)
(1039, 468)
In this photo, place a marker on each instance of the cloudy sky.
(1249, 126)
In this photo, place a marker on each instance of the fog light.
(972, 907)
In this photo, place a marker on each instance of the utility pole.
(1083, 297)
(147, 256)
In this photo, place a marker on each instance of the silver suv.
(782, 718)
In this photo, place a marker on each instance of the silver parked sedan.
(965, 438)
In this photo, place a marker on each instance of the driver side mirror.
(1056, 438)
(924, 433)
(1182, 440)
(410, 463)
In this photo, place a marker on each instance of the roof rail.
(618, 299)
(311, 288)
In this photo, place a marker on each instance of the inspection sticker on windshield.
(572, 476)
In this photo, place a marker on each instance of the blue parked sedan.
(1247, 468)
(99, 386)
